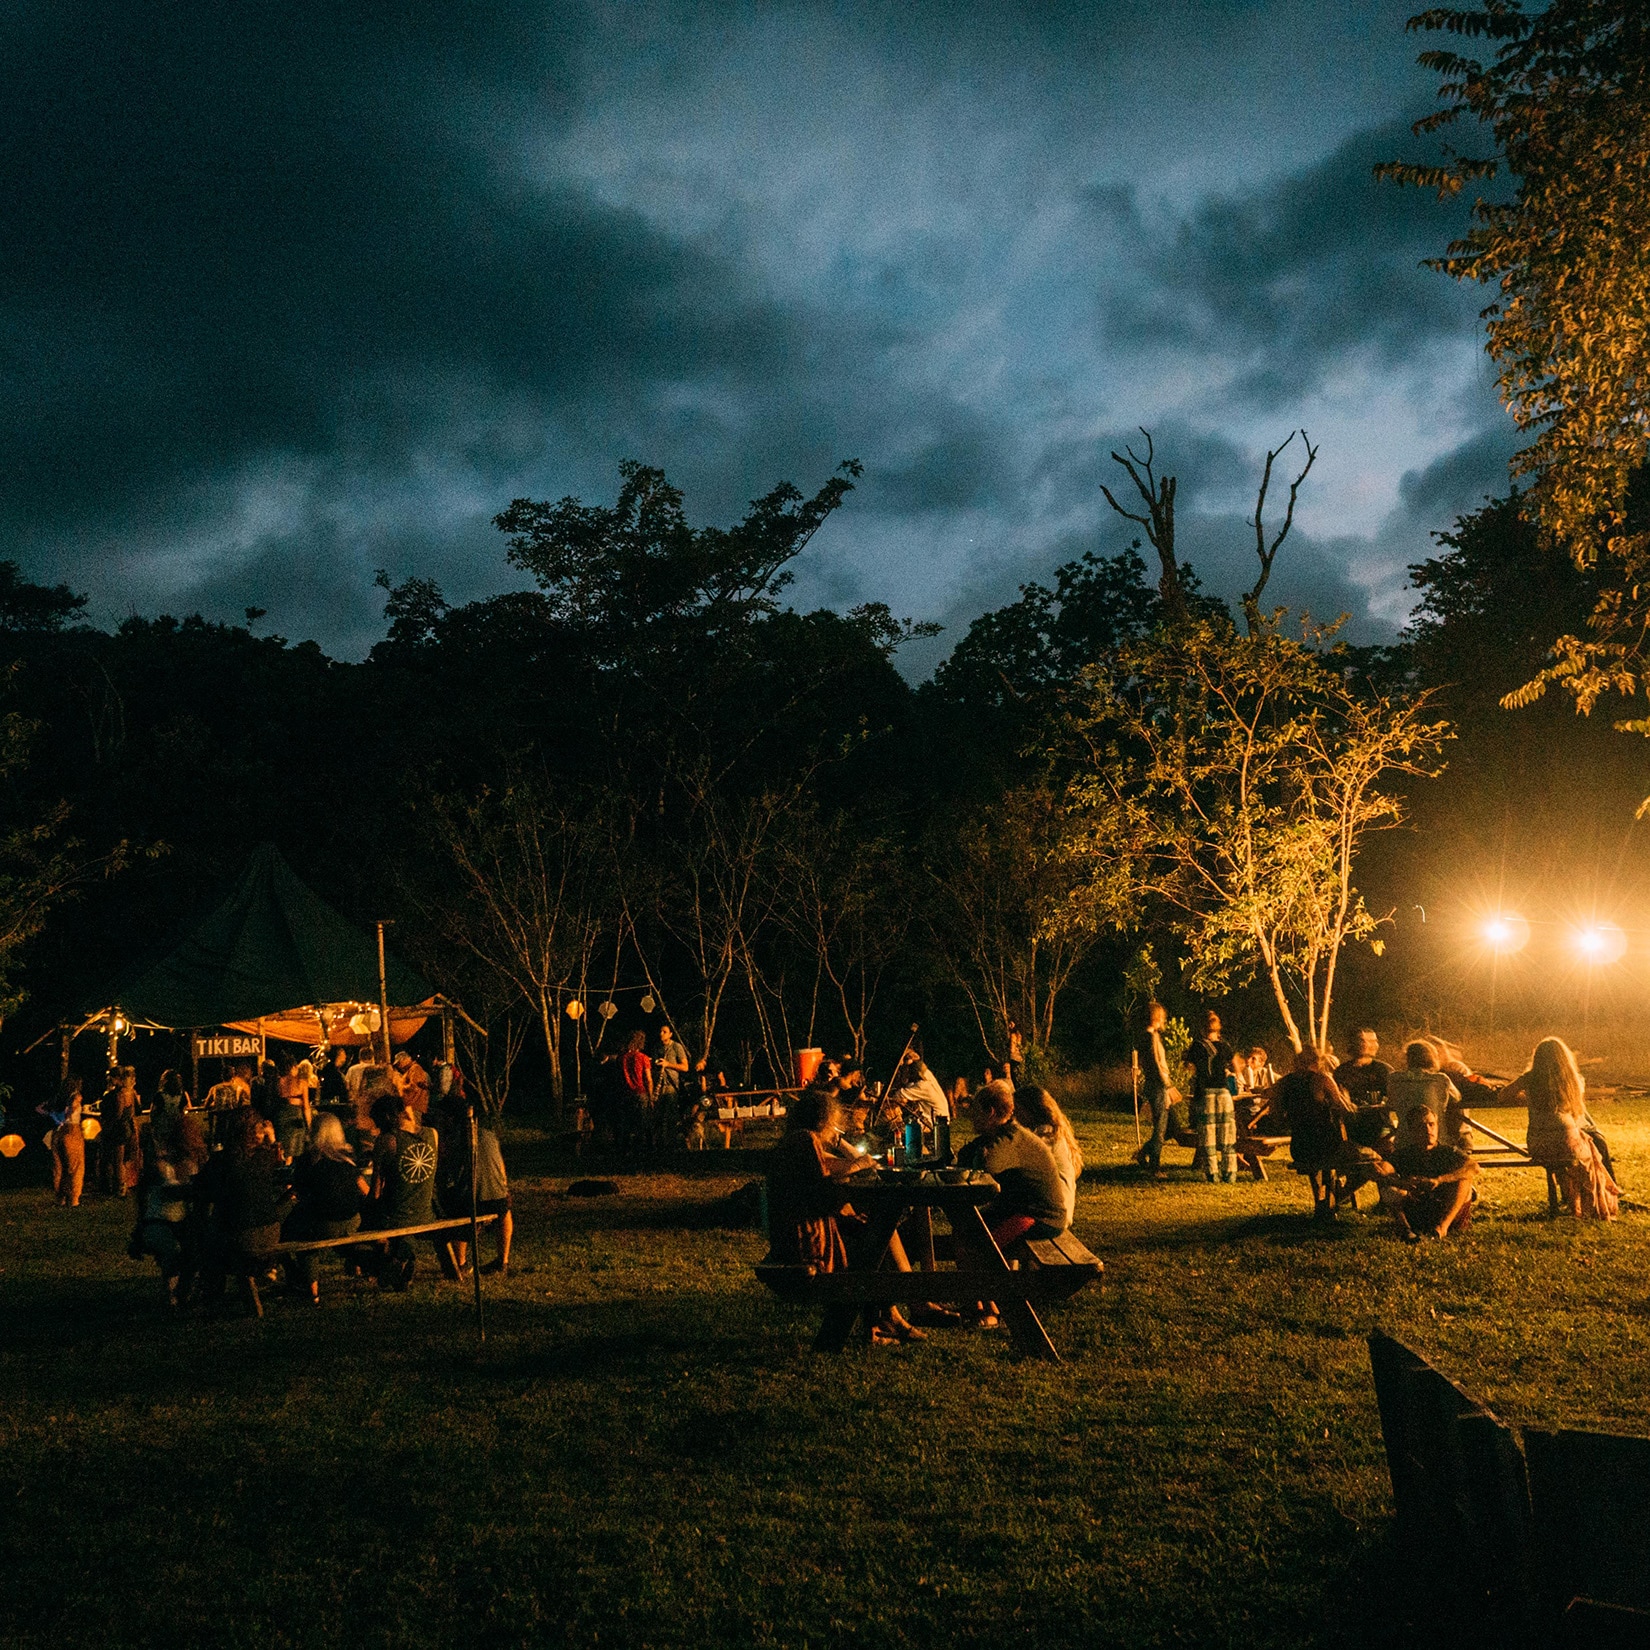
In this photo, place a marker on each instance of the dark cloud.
(1291, 280)
(286, 296)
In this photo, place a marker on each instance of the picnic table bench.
(1059, 1266)
(350, 1240)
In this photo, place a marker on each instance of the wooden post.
(475, 1237)
(63, 1056)
(449, 1050)
(194, 1065)
(383, 988)
(1134, 1073)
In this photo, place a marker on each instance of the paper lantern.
(574, 1008)
(648, 1004)
(608, 1009)
(10, 1145)
(90, 1127)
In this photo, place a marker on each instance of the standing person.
(637, 1071)
(118, 1137)
(293, 1115)
(415, 1082)
(1554, 1091)
(68, 1143)
(670, 1075)
(334, 1090)
(172, 1098)
(175, 1154)
(246, 1186)
(1016, 1052)
(1156, 1086)
(492, 1184)
(1214, 1115)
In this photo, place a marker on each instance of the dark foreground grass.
(645, 1452)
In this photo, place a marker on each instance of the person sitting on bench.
(330, 1191)
(810, 1220)
(246, 1186)
(1040, 1112)
(403, 1183)
(1316, 1111)
(1424, 1079)
(1557, 1136)
(1431, 1193)
(1029, 1202)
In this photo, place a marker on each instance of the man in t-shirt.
(670, 1070)
(1156, 1087)
(1363, 1081)
(415, 1082)
(1431, 1194)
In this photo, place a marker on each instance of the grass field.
(646, 1452)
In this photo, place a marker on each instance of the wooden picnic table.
(1061, 1268)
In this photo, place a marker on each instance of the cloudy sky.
(291, 293)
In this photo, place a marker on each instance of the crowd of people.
(840, 1127)
(281, 1152)
(1360, 1122)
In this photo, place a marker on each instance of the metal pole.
(383, 987)
(475, 1236)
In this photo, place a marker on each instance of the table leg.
(1030, 1338)
(924, 1217)
(837, 1327)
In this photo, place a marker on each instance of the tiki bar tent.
(273, 959)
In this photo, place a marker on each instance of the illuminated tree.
(1565, 105)
(1233, 777)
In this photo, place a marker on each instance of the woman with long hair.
(330, 1189)
(67, 1141)
(1554, 1091)
(118, 1136)
(810, 1220)
(1040, 1112)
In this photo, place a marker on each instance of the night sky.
(291, 293)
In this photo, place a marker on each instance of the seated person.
(917, 1092)
(1557, 1135)
(246, 1186)
(1030, 1201)
(1038, 1110)
(1316, 1111)
(1421, 1081)
(330, 1190)
(1430, 1195)
(1454, 1066)
(810, 1220)
(404, 1162)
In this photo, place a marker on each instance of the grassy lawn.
(646, 1452)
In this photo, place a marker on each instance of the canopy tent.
(275, 957)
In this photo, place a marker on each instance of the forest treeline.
(648, 776)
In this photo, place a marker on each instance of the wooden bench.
(1057, 1269)
(352, 1240)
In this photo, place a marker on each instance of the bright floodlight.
(1600, 942)
(1506, 933)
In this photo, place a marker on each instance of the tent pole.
(383, 988)
(195, 1065)
(475, 1236)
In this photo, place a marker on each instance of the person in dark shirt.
(1431, 1193)
(246, 1186)
(1316, 1112)
(334, 1090)
(1363, 1081)
(403, 1182)
(1214, 1112)
(330, 1190)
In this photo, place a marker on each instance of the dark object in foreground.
(1062, 1266)
(593, 1188)
(1502, 1553)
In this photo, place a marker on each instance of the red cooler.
(807, 1063)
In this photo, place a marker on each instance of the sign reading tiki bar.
(226, 1045)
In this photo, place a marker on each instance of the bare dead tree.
(1268, 552)
(1157, 492)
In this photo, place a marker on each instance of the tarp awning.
(271, 946)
